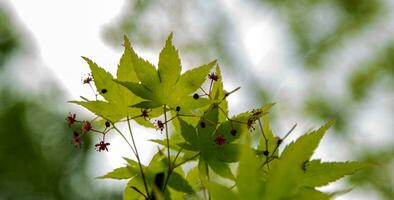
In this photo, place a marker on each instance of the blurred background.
(317, 60)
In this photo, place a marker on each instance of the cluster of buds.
(256, 114)
(213, 76)
(101, 146)
(77, 135)
(159, 125)
(87, 79)
(85, 127)
(145, 114)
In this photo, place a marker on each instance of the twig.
(138, 157)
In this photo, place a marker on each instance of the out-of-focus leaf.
(219, 192)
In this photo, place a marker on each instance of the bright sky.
(65, 30)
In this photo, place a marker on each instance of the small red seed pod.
(86, 127)
(213, 76)
(102, 146)
(76, 139)
(145, 113)
(71, 118)
(160, 125)
(88, 79)
(220, 140)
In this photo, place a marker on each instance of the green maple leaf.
(284, 179)
(117, 98)
(219, 192)
(166, 85)
(215, 140)
(319, 173)
(158, 164)
(250, 182)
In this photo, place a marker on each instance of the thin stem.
(84, 98)
(202, 89)
(167, 138)
(168, 149)
(191, 158)
(172, 118)
(224, 112)
(137, 190)
(287, 134)
(290, 131)
(95, 93)
(232, 91)
(177, 155)
(210, 87)
(262, 132)
(138, 157)
(232, 187)
(266, 144)
(276, 148)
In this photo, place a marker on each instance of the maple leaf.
(166, 85)
(117, 98)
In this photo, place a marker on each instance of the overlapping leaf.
(204, 137)
(250, 181)
(157, 165)
(207, 134)
(284, 179)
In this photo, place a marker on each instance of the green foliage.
(166, 85)
(205, 137)
(320, 174)
(284, 179)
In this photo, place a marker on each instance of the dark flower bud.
(76, 139)
(159, 125)
(202, 124)
(86, 127)
(279, 141)
(71, 118)
(102, 146)
(213, 76)
(196, 96)
(107, 124)
(233, 132)
(178, 108)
